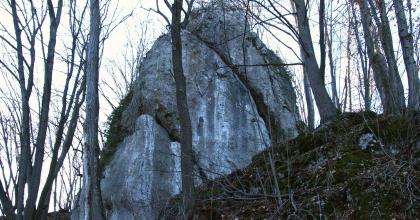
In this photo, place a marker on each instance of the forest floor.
(358, 166)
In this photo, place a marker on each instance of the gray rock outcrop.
(143, 174)
(241, 101)
(224, 29)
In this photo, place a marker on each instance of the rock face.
(241, 101)
(224, 29)
(142, 174)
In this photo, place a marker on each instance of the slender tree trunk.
(57, 161)
(387, 44)
(348, 70)
(306, 86)
(367, 91)
(183, 111)
(325, 106)
(363, 61)
(24, 159)
(407, 43)
(349, 90)
(309, 101)
(6, 204)
(322, 39)
(378, 62)
(345, 89)
(92, 207)
(28, 184)
(35, 177)
(334, 93)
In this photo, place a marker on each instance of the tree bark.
(306, 86)
(363, 61)
(334, 93)
(322, 39)
(407, 43)
(57, 161)
(74, 102)
(92, 207)
(309, 101)
(24, 160)
(348, 69)
(387, 44)
(35, 177)
(378, 62)
(28, 183)
(183, 111)
(325, 106)
(7, 206)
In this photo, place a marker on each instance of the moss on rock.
(116, 131)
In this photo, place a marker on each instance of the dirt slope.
(359, 166)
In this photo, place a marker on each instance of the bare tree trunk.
(309, 101)
(57, 161)
(35, 177)
(349, 89)
(322, 39)
(7, 206)
(407, 43)
(363, 61)
(348, 70)
(24, 160)
(306, 85)
(9, 137)
(74, 102)
(345, 93)
(326, 107)
(387, 44)
(334, 93)
(93, 208)
(378, 62)
(29, 175)
(183, 111)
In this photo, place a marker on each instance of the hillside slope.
(359, 166)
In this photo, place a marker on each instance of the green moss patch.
(325, 174)
(116, 131)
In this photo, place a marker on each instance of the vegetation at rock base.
(116, 132)
(326, 174)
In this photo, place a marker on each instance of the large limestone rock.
(241, 101)
(223, 28)
(227, 129)
(143, 173)
(224, 116)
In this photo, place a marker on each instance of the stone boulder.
(241, 101)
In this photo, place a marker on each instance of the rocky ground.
(359, 166)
